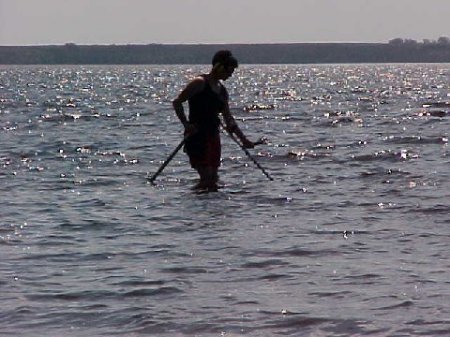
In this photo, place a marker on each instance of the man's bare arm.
(232, 127)
(191, 89)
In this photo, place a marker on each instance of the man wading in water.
(207, 98)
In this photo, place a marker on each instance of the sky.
(42, 22)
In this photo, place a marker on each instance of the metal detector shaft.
(167, 161)
(250, 156)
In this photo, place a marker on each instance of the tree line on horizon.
(441, 41)
(395, 51)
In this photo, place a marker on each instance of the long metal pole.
(250, 156)
(167, 161)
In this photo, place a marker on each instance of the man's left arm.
(232, 127)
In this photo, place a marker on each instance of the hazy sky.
(31, 22)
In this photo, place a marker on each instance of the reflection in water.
(355, 222)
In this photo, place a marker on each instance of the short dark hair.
(226, 58)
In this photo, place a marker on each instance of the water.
(350, 239)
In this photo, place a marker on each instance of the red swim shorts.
(210, 154)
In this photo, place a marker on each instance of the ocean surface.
(352, 238)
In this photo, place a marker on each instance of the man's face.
(228, 71)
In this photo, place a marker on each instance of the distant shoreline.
(280, 53)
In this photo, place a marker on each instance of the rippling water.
(350, 239)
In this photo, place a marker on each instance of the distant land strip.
(396, 51)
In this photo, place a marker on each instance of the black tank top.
(204, 108)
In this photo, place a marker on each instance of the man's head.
(225, 58)
(224, 64)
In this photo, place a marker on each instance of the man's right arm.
(191, 89)
(179, 110)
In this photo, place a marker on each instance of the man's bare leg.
(208, 178)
